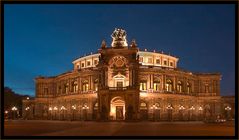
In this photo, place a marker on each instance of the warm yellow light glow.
(200, 108)
(55, 108)
(74, 107)
(27, 108)
(50, 108)
(14, 108)
(192, 108)
(169, 107)
(228, 108)
(63, 108)
(181, 107)
(6, 112)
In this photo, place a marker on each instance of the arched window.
(96, 85)
(66, 85)
(143, 85)
(59, 89)
(85, 86)
(179, 86)
(206, 88)
(156, 85)
(169, 85)
(188, 87)
(74, 86)
(143, 105)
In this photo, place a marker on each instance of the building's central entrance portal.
(119, 112)
(117, 109)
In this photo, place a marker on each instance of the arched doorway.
(95, 111)
(117, 109)
(143, 111)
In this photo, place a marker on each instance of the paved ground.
(67, 128)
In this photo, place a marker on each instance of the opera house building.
(121, 82)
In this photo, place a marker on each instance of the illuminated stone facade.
(122, 83)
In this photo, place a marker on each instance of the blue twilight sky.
(43, 39)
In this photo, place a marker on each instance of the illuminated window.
(150, 60)
(171, 63)
(119, 84)
(66, 88)
(95, 62)
(157, 61)
(88, 63)
(169, 85)
(141, 59)
(165, 62)
(179, 86)
(74, 86)
(156, 86)
(143, 86)
(85, 86)
(77, 66)
(206, 88)
(96, 86)
(188, 87)
(143, 105)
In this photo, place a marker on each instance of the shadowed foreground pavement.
(77, 128)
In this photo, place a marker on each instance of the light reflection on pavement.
(77, 128)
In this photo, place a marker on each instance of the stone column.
(79, 84)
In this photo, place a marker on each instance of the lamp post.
(6, 114)
(27, 112)
(55, 109)
(169, 108)
(50, 109)
(73, 111)
(228, 109)
(181, 108)
(85, 108)
(63, 109)
(200, 112)
(191, 109)
(14, 109)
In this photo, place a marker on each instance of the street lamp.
(50, 109)
(6, 114)
(181, 108)
(73, 111)
(27, 111)
(200, 112)
(169, 108)
(63, 109)
(14, 109)
(55, 109)
(228, 109)
(85, 108)
(191, 109)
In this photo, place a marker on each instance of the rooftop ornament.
(119, 38)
